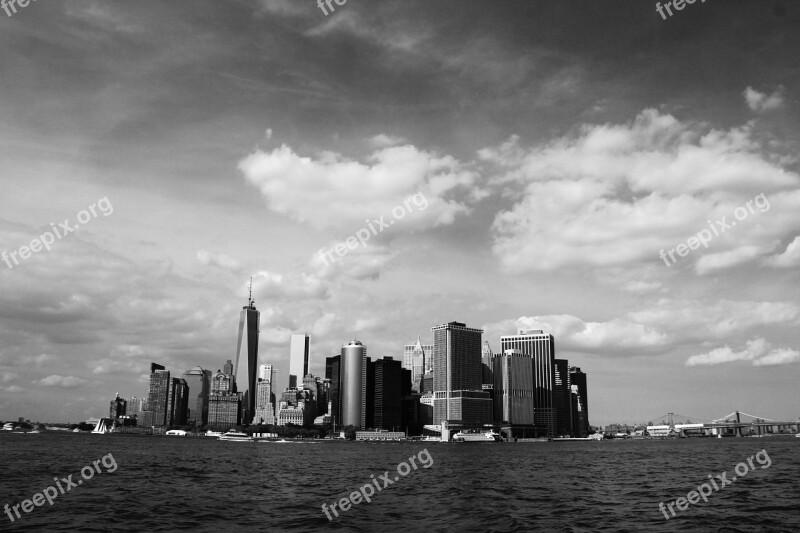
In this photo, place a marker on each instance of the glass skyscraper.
(245, 368)
(418, 358)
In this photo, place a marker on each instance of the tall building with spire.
(418, 358)
(298, 360)
(244, 377)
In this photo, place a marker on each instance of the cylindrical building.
(354, 382)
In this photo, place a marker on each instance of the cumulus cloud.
(383, 140)
(332, 190)
(270, 285)
(757, 350)
(758, 101)
(617, 194)
(789, 258)
(617, 336)
(64, 382)
(364, 262)
(220, 260)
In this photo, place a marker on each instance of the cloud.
(332, 190)
(789, 258)
(8, 377)
(220, 260)
(14, 388)
(616, 194)
(758, 101)
(757, 350)
(617, 336)
(65, 382)
(382, 141)
(291, 8)
(364, 262)
(270, 285)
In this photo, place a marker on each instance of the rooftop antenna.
(250, 297)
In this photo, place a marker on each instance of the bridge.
(737, 424)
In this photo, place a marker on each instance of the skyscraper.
(265, 406)
(298, 359)
(562, 398)
(158, 397)
(418, 358)
(513, 388)
(540, 347)
(117, 407)
(199, 383)
(333, 367)
(354, 382)
(457, 376)
(223, 403)
(387, 399)
(247, 355)
(580, 408)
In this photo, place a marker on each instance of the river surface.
(201, 484)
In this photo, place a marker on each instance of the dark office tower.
(513, 388)
(540, 347)
(298, 360)
(117, 408)
(199, 383)
(387, 396)
(580, 421)
(354, 384)
(457, 376)
(333, 373)
(178, 402)
(247, 356)
(158, 397)
(562, 398)
(406, 387)
(369, 396)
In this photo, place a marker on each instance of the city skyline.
(579, 169)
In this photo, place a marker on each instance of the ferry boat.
(237, 436)
(476, 436)
(8, 426)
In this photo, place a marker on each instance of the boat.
(237, 436)
(176, 433)
(476, 436)
(210, 433)
(798, 435)
(8, 426)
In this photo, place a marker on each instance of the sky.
(625, 181)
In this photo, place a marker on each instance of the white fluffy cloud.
(64, 382)
(335, 191)
(220, 260)
(789, 258)
(757, 350)
(758, 101)
(618, 194)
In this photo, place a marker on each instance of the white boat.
(210, 433)
(476, 436)
(798, 435)
(8, 426)
(176, 433)
(237, 436)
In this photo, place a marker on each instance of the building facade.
(580, 402)
(353, 384)
(199, 383)
(244, 377)
(298, 359)
(418, 358)
(457, 376)
(540, 347)
(118, 407)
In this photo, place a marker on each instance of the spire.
(250, 297)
